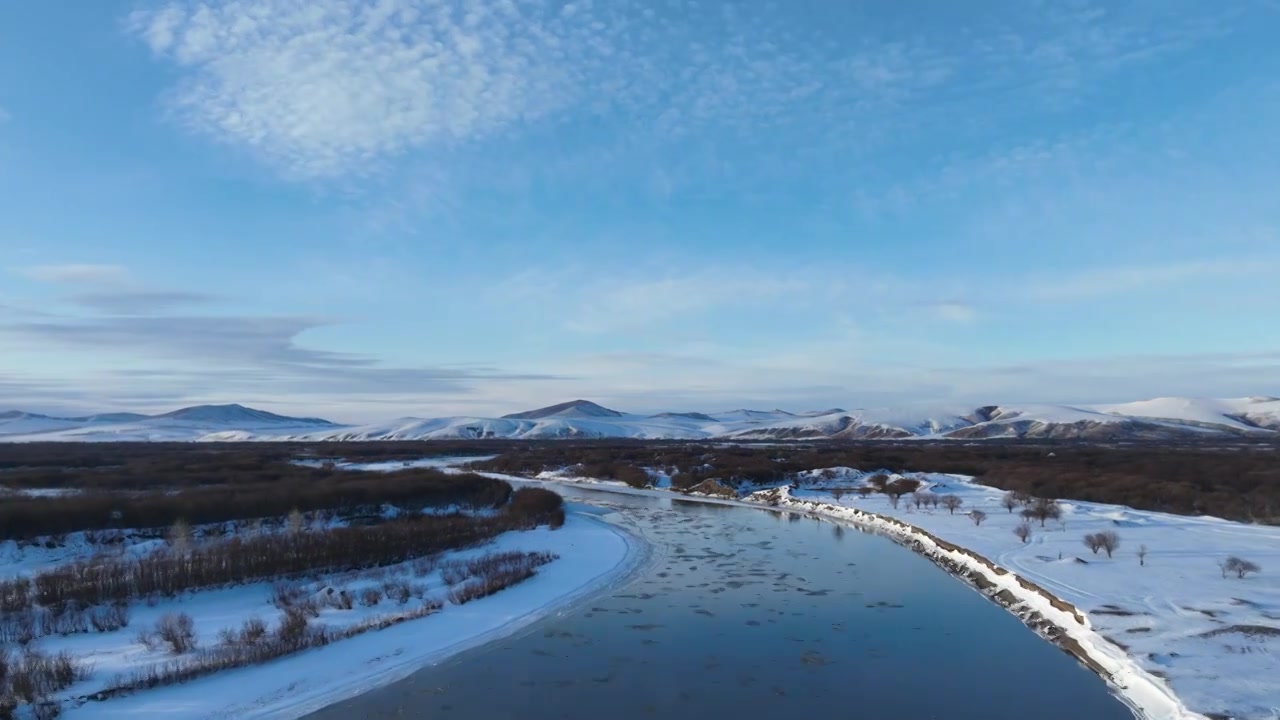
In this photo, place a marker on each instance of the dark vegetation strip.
(295, 488)
(1239, 482)
(100, 581)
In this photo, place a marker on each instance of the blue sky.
(372, 209)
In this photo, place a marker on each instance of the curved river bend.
(746, 614)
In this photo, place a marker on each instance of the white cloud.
(1128, 279)
(328, 87)
(955, 312)
(77, 273)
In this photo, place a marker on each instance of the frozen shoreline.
(594, 553)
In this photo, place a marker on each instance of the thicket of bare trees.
(1241, 482)
(1042, 509)
(240, 559)
(340, 490)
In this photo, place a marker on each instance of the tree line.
(1238, 482)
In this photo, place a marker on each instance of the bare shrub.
(424, 565)
(15, 595)
(284, 595)
(1142, 554)
(370, 597)
(1023, 531)
(147, 639)
(178, 631)
(253, 631)
(397, 590)
(294, 627)
(111, 617)
(35, 676)
(952, 503)
(1239, 566)
(977, 516)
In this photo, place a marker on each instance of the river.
(748, 614)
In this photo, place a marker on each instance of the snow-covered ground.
(1186, 641)
(446, 463)
(592, 553)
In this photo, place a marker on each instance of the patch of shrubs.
(486, 575)
(31, 677)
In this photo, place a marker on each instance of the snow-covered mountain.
(1158, 419)
(191, 423)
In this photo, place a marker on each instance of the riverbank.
(593, 553)
(1174, 638)
(1053, 618)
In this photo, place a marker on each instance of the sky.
(371, 209)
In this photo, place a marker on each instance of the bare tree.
(838, 493)
(1042, 509)
(1142, 554)
(1109, 540)
(893, 500)
(920, 498)
(1010, 501)
(1023, 531)
(296, 521)
(1091, 541)
(952, 503)
(1239, 566)
(180, 536)
(977, 516)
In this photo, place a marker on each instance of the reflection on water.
(748, 614)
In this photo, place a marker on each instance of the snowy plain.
(592, 553)
(1180, 640)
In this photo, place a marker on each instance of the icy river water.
(747, 614)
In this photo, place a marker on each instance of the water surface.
(746, 614)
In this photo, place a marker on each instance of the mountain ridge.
(1155, 419)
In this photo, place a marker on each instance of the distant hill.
(1157, 419)
(573, 408)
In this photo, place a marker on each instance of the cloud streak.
(254, 350)
(85, 274)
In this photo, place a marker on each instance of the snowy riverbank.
(1176, 639)
(592, 553)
